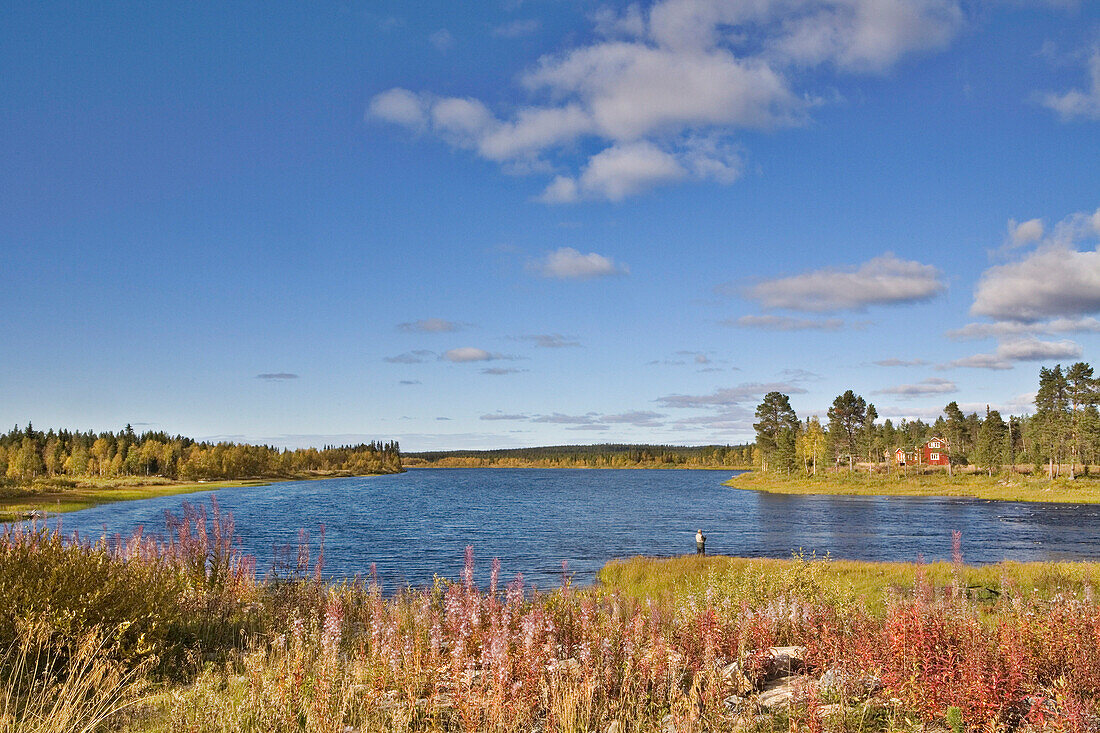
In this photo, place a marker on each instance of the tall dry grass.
(74, 688)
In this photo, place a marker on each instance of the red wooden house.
(933, 453)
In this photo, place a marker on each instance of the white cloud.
(662, 90)
(1079, 103)
(899, 362)
(502, 416)
(462, 122)
(638, 418)
(730, 396)
(399, 106)
(1056, 280)
(980, 361)
(1025, 232)
(559, 419)
(549, 340)
(1015, 350)
(1036, 350)
(975, 331)
(501, 371)
(470, 353)
(569, 264)
(410, 357)
(885, 280)
(431, 325)
(785, 323)
(626, 170)
(859, 35)
(442, 40)
(931, 386)
(1050, 282)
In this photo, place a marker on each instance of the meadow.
(1004, 486)
(182, 633)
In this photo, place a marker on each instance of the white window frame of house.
(935, 444)
(933, 456)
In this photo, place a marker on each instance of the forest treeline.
(27, 454)
(1062, 436)
(609, 455)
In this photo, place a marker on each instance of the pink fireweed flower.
(330, 631)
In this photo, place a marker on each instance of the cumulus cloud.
(431, 325)
(1025, 232)
(276, 376)
(730, 396)
(399, 106)
(1054, 280)
(932, 386)
(1078, 103)
(549, 340)
(784, 323)
(569, 264)
(410, 357)
(660, 92)
(1015, 350)
(885, 280)
(1050, 282)
(899, 362)
(1036, 350)
(617, 172)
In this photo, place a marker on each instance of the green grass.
(1004, 487)
(836, 582)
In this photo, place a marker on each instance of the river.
(414, 525)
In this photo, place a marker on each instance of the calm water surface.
(417, 524)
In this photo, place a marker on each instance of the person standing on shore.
(700, 543)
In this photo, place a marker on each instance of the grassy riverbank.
(829, 581)
(1013, 487)
(57, 496)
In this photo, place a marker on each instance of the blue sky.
(527, 223)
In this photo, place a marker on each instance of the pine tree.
(1081, 391)
(956, 432)
(1051, 414)
(846, 421)
(775, 415)
(990, 448)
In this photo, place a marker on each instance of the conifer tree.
(775, 416)
(846, 421)
(990, 448)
